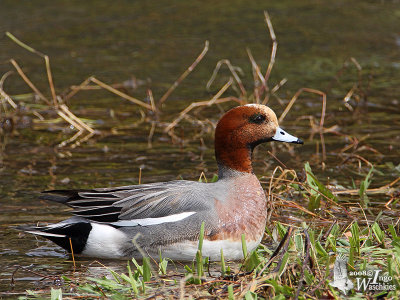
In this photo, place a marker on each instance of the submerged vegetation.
(298, 256)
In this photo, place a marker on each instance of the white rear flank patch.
(186, 251)
(154, 221)
(104, 241)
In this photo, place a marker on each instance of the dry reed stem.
(76, 89)
(70, 140)
(23, 45)
(295, 97)
(151, 98)
(72, 253)
(274, 46)
(354, 142)
(212, 101)
(119, 93)
(3, 93)
(321, 122)
(234, 74)
(359, 70)
(348, 96)
(151, 133)
(325, 236)
(270, 194)
(321, 136)
(264, 78)
(284, 243)
(82, 140)
(381, 190)
(278, 86)
(86, 87)
(390, 202)
(75, 118)
(184, 75)
(277, 159)
(4, 107)
(293, 204)
(367, 222)
(220, 92)
(66, 114)
(345, 66)
(250, 287)
(29, 83)
(282, 177)
(258, 74)
(47, 63)
(202, 177)
(355, 156)
(305, 262)
(69, 120)
(90, 87)
(356, 86)
(50, 79)
(40, 117)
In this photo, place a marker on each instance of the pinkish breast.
(243, 211)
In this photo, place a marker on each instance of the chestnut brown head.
(241, 129)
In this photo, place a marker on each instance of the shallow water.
(155, 41)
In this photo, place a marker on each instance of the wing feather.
(135, 202)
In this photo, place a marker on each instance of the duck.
(165, 217)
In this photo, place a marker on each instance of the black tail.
(63, 234)
(62, 196)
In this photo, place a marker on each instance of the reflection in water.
(44, 251)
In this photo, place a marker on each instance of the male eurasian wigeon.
(167, 216)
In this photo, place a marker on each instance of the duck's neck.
(233, 159)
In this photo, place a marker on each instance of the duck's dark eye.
(257, 118)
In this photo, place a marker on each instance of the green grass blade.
(146, 269)
(223, 268)
(231, 296)
(244, 246)
(201, 237)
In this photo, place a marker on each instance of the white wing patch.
(154, 221)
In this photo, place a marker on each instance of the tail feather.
(89, 204)
(61, 196)
(63, 234)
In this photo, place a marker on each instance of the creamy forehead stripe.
(253, 105)
(154, 221)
